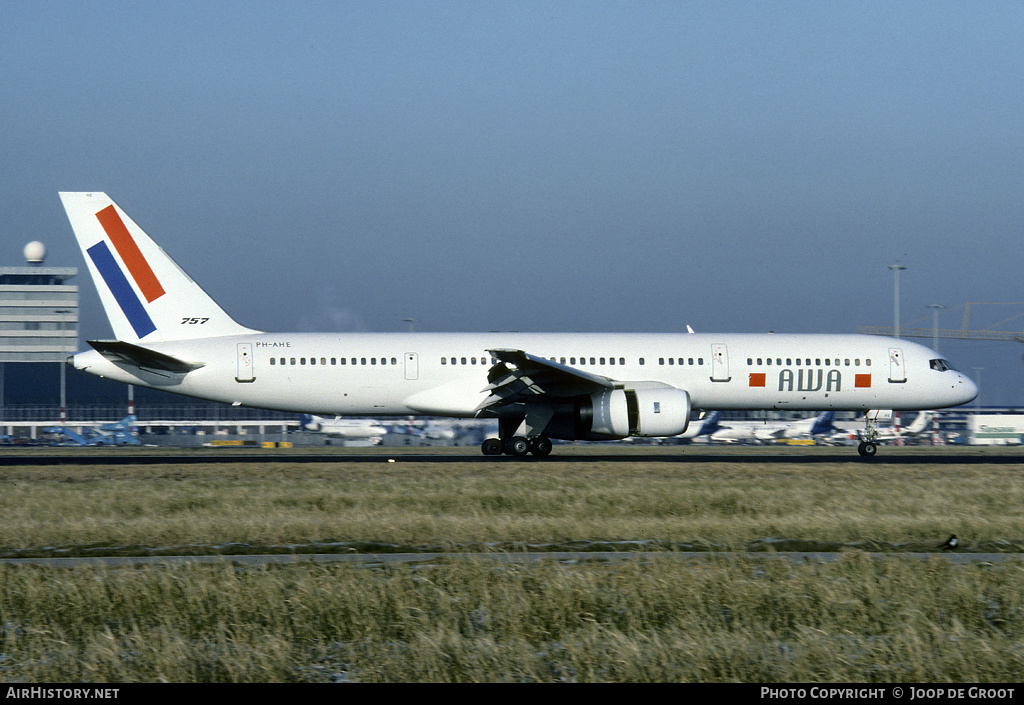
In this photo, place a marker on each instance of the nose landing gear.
(867, 447)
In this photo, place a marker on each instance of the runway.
(926, 455)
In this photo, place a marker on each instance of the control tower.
(38, 315)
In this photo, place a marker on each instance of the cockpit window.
(940, 365)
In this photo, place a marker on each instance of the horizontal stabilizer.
(138, 356)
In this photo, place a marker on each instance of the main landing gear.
(518, 446)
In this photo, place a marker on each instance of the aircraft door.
(719, 363)
(897, 372)
(246, 373)
(412, 366)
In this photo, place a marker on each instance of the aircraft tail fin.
(823, 423)
(146, 295)
(920, 423)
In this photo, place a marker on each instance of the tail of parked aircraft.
(146, 295)
(823, 423)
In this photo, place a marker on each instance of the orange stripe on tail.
(130, 253)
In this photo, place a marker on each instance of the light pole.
(935, 324)
(896, 296)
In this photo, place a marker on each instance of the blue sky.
(596, 166)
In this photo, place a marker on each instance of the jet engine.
(620, 413)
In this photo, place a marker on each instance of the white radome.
(35, 252)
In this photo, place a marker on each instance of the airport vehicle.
(169, 334)
(771, 431)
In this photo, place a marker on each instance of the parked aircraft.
(119, 433)
(769, 431)
(343, 428)
(169, 334)
(921, 424)
(707, 425)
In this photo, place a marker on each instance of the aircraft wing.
(518, 374)
(138, 356)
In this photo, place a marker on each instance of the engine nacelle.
(647, 412)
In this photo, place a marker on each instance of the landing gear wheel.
(492, 446)
(518, 446)
(867, 450)
(540, 446)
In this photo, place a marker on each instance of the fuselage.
(444, 374)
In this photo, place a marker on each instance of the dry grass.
(723, 504)
(723, 619)
(857, 620)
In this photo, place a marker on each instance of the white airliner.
(922, 423)
(353, 429)
(171, 335)
(703, 427)
(767, 431)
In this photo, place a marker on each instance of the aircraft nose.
(966, 389)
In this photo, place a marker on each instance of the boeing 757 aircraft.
(170, 335)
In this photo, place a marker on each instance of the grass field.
(726, 618)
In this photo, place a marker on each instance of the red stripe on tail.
(130, 253)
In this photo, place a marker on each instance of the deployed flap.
(138, 356)
(518, 373)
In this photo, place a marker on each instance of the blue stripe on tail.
(121, 289)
